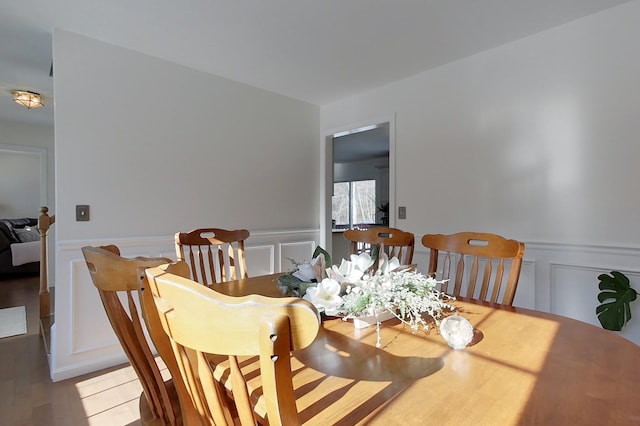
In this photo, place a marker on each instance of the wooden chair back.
(469, 256)
(213, 254)
(117, 280)
(201, 322)
(395, 242)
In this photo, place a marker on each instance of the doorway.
(359, 182)
(23, 180)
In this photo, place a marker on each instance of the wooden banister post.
(44, 223)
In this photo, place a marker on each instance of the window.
(340, 204)
(354, 203)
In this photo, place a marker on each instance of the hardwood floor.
(29, 397)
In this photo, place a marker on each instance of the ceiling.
(362, 144)
(316, 51)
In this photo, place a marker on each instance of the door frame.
(326, 178)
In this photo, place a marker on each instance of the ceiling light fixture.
(28, 99)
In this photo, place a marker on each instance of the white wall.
(162, 147)
(536, 140)
(26, 143)
(19, 184)
(159, 148)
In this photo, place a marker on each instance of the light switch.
(402, 212)
(82, 213)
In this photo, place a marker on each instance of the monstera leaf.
(615, 296)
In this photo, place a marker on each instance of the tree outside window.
(354, 203)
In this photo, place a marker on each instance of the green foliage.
(289, 281)
(615, 297)
(294, 286)
(320, 251)
(360, 304)
(375, 254)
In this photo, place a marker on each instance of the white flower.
(351, 271)
(353, 290)
(305, 272)
(406, 294)
(362, 261)
(387, 265)
(346, 272)
(325, 296)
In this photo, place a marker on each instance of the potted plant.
(384, 208)
(615, 298)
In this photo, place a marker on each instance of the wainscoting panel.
(563, 279)
(574, 291)
(260, 259)
(92, 335)
(295, 252)
(82, 338)
(556, 278)
(526, 293)
(567, 279)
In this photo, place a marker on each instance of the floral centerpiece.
(368, 285)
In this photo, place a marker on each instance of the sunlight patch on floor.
(112, 398)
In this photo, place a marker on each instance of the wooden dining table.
(523, 367)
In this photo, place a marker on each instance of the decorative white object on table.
(457, 331)
(367, 289)
(366, 321)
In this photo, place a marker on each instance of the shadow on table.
(366, 376)
(335, 354)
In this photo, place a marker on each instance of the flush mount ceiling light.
(27, 99)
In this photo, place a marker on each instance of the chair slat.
(486, 280)
(220, 254)
(198, 319)
(113, 275)
(447, 267)
(482, 248)
(459, 275)
(395, 242)
(498, 281)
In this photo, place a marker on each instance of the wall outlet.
(82, 213)
(402, 212)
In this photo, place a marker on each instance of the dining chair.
(118, 281)
(465, 254)
(395, 242)
(213, 254)
(202, 323)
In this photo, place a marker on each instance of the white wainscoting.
(563, 279)
(82, 338)
(556, 278)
